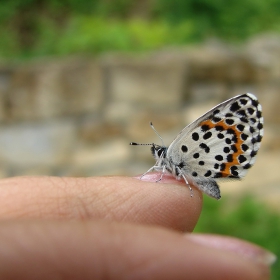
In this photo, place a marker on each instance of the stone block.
(147, 81)
(201, 92)
(264, 54)
(242, 70)
(119, 112)
(92, 130)
(193, 112)
(82, 86)
(55, 88)
(138, 128)
(6, 72)
(221, 64)
(209, 64)
(32, 144)
(269, 97)
(271, 139)
(99, 157)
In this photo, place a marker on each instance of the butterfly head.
(159, 152)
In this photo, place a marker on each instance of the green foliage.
(84, 34)
(55, 27)
(227, 19)
(248, 220)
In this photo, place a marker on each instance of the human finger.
(168, 203)
(102, 250)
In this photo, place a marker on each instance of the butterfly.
(220, 145)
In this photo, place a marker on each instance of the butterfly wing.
(221, 144)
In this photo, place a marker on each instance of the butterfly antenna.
(137, 144)
(152, 126)
(148, 144)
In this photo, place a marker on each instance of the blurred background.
(79, 80)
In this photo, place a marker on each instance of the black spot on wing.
(205, 127)
(260, 126)
(255, 102)
(229, 121)
(195, 136)
(234, 148)
(228, 141)
(226, 150)
(196, 155)
(240, 127)
(243, 136)
(216, 119)
(204, 147)
(241, 158)
(208, 173)
(207, 135)
(242, 113)
(220, 136)
(243, 101)
(184, 148)
(247, 166)
(234, 107)
(253, 153)
(218, 175)
(244, 147)
(219, 157)
(219, 128)
(233, 170)
(229, 115)
(243, 119)
(216, 166)
(229, 158)
(222, 167)
(251, 111)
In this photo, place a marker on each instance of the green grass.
(94, 35)
(246, 219)
(52, 27)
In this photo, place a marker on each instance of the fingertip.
(181, 203)
(168, 203)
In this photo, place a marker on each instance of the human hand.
(114, 228)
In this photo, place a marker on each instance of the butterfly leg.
(157, 168)
(185, 178)
(150, 170)
(162, 173)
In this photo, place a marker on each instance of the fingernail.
(154, 177)
(243, 248)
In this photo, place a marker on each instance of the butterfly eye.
(159, 152)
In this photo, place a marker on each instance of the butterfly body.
(220, 145)
(179, 167)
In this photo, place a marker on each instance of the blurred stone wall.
(76, 116)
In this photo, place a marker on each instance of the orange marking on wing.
(238, 144)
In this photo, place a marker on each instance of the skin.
(114, 228)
